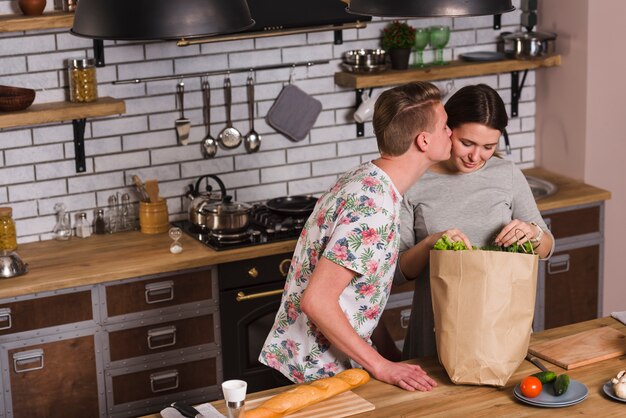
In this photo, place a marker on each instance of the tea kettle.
(200, 201)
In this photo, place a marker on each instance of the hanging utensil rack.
(231, 71)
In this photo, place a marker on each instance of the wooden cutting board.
(342, 405)
(583, 348)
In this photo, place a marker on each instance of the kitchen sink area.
(541, 188)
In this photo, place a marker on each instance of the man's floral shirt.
(355, 225)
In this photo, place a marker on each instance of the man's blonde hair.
(401, 113)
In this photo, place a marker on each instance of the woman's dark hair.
(477, 104)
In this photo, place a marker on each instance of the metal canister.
(82, 78)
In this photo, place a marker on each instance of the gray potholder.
(293, 113)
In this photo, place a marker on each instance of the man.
(343, 264)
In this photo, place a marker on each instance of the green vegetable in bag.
(444, 243)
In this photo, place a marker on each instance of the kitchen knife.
(536, 362)
(186, 410)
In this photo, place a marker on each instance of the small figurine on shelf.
(398, 39)
(62, 230)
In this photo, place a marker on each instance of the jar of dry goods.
(83, 83)
(8, 237)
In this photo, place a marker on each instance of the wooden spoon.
(152, 188)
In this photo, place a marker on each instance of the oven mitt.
(293, 113)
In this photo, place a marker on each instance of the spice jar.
(83, 84)
(8, 237)
(83, 228)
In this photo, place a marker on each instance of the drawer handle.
(22, 362)
(159, 292)
(161, 337)
(5, 319)
(405, 315)
(241, 296)
(558, 264)
(283, 267)
(253, 272)
(163, 381)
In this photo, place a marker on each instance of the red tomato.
(530, 386)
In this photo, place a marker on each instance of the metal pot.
(218, 215)
(524, 45)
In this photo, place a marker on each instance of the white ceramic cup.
(365, 111)
(234, 390)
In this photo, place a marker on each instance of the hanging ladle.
(229, 137)
(208, 144)
(252, 141)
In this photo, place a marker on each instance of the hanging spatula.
(183, 125)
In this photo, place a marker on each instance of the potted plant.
(398, 39)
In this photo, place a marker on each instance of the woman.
(471, 198)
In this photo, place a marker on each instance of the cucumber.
(561, 384)
(545, 377)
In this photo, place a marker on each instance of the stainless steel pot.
(525, 45)
(218, 215)
(11, 265)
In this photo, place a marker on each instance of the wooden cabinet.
(569, 287)
(160, 341)
(48, 353)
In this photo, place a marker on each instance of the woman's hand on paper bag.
(454, 235)
(515, 231)
(409, 377)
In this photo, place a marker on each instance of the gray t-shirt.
(479, 204)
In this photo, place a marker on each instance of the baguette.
(308, 394)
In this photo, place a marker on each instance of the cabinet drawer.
(397, 321)
(164, 336)
(164, 380)
(571, 286)
(159, 292)
(56, 379)
(574, 222)
(31, 314)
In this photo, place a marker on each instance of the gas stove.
(265, 226)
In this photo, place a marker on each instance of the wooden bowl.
(13, 99)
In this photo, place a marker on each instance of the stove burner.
(232, 237)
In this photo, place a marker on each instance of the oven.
(250, 293)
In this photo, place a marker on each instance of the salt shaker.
(83, 228)
(235, 397)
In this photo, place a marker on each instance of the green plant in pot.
(398, 39)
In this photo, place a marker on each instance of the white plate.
(483, 56)
(577, 392)
(608, 389)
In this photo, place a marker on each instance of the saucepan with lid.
(525, 45)
(221, 215)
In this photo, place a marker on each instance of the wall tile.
(33, 154)
(37, 190)
(16, 175)
(95, 182)
(290, 172)
(335, 166)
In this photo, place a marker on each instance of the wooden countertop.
(102, 258)
(450, 400)
(570, 192)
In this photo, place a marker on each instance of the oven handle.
(241, 296)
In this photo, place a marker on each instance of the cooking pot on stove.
(297, 206)
(523, 45)
(218, 215)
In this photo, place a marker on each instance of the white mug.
(234, 390)
(365, 111)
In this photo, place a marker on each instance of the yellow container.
(153, 217)
(8, 237)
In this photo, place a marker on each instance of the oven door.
(247, 315)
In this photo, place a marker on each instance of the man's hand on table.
(409, 377)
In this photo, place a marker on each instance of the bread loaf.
(308, 394)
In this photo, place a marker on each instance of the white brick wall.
(37, 168)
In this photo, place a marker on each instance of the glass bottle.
(83, 229)
(99, 224)
(113, 215)
(8, 236)
(63, 228)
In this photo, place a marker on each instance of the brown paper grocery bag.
(483, 304)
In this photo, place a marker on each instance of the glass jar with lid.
(8, 237)
(82, 78)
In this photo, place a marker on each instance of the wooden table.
(450, 400)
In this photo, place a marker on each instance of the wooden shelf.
(53, 20)
(455, 69)
(62, 111)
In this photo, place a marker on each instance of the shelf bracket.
(338, 37)
(497, 22)
(360, 127)
(98, 52)
(516, 91)
(79, 144)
